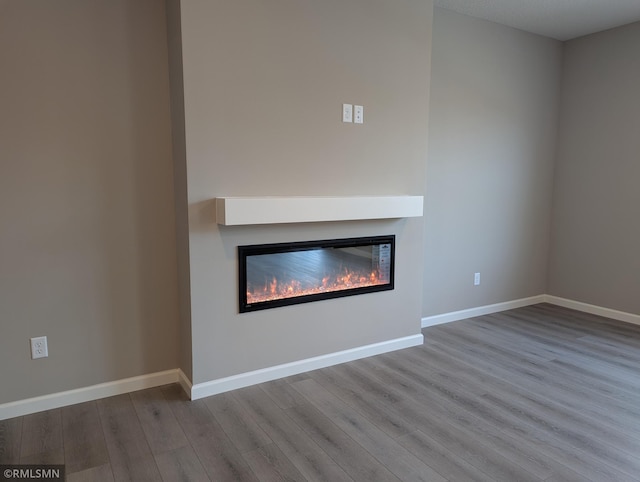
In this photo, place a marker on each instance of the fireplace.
(275, 275)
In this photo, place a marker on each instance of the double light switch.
(353, 113)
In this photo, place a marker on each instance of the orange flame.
(276, 290)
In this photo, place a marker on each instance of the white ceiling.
(559, 19)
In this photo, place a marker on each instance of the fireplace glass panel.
(282, 274)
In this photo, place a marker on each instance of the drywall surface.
(596, 222)
(87, 250)
(174, 41)
(492, 132)
(264, 84)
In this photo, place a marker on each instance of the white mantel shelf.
(241, 211)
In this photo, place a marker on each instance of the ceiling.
(558, 19)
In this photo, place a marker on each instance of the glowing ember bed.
(274, 275)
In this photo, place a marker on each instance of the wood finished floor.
(536, 393)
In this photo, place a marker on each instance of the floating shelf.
(239, 211)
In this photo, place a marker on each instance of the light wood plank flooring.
(540, 393)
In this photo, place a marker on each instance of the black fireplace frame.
(252, 250)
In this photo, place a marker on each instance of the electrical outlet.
(39, 348)
(476, 279)
(358, 114)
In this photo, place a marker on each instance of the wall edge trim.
(87, 394)
(195, 391)
(509, 305)
(184, 382)
(481, 310)
(213, 387)
(594, 309)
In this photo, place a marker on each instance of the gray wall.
(492, 132)
(87, 250)
(174, 38)
(87, 182)
(264, 83)
(595, 254)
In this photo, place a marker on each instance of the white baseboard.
(86, 394)
(242, 380)
(593, 309)
(509, 305)
(481, 310)
(200, 390)
(95, 392)
(184, 382)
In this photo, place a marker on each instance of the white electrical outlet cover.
(39, 347)
(358, 114)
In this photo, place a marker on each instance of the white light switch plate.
(347, 113)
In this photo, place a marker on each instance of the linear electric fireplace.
(274, 275)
